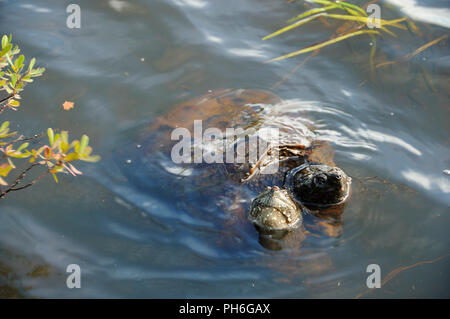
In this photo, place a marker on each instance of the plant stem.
(19, 178)
(6, 99)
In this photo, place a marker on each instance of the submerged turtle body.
(297, 169)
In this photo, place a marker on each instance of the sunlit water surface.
(133, 60)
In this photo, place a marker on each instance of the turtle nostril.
(320, 179)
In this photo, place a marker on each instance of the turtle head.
(320, 185)
(274, 211)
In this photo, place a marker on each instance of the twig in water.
(413, 54)
(297, 67)
(398, 270)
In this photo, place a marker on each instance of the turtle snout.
(321, 185)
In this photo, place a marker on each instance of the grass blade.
(345, 5)
(323, 2)
(388, 32)
(372, 53)
(292, 26)
(393, 23)
(311, 12)
(429, 44)
(323, 44)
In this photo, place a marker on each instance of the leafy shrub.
(56, 156)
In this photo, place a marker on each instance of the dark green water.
(133, 60)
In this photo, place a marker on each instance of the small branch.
(398, 270)
(19, 178)
(6, 98)
(2, 108)
(295, 69)
(31, 183)
(22, 138)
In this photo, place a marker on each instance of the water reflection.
(35, 8)
(418, 10)
(248, 53)
(118, 5)
(430, 183)
(191, 3)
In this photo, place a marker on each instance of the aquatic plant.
(347, 12)
(57, 155)
(356, 23)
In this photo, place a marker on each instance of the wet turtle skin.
(320, 185)
(275, 210)
(305, 174)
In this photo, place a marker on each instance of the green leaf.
(13, 80)
(23, 146)
(83, 144)
(91, 159)
(31, 65)
(4, 126)
(7, 89)
(4, 41)
(51, 136)
(65, 136)
(72, 157)
(19, 61)
(37, 72)
(5, 169)
(14, 103)
(6, 49)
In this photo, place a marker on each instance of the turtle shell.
(248, 113)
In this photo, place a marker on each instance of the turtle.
(275, 159)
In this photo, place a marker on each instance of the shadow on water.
(19, 275)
